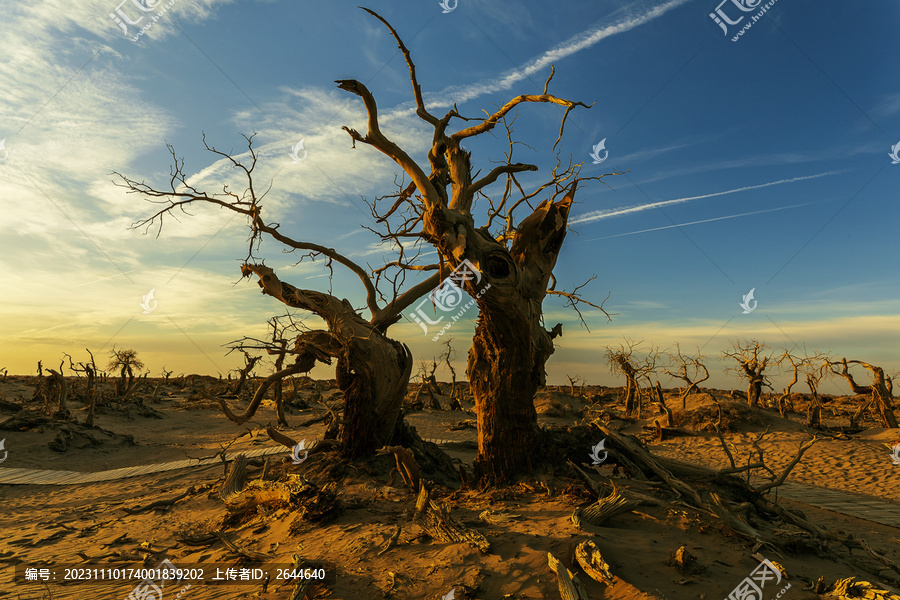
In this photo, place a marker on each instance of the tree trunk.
(504, 377)
(372, 370)
(754, 390)
(632, 391)
(885, 409)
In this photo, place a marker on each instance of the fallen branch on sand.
(191, 491)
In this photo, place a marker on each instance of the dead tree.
(880, 391)
(91, 389)
(62, 390)
(372, 370)
(625, 361)
(282, 327)
(751, 366)
(784, 402)
(126, 361)
(514, 256)
(577, 380)
(448, 355)
(249, 363)
(813, 370)
(687, 368)
(429, 385)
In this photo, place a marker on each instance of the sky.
(752, 156)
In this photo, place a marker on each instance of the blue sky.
(762, 163)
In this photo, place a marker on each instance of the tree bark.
(372, 370)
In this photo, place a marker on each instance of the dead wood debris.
(588, 556)
(406, 466)
(434, 517)
(720, 486)
(604, 509)
(569, 586)
(496, 517)
(850, 589)
(390, 542)
(191, 491)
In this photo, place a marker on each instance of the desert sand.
(344, 517)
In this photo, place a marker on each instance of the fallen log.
(588, 557)
(569, 586)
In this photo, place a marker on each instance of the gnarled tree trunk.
(372, 370)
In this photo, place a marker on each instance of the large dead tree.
(751, 366)
(688, 369)
(880, 391)
(372, 370)
(515, 257)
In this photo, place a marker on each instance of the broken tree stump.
(434, 518)
(237, 475)
(406, 466)
(569, 586)
(683, 559)
(588, 557)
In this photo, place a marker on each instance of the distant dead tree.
(429, 385)
(283, 329)
(785, 404)
(126, 362)
(813, 368)
(576, 380)
(249, 363)
(51, 393)
(626, 360)
(91, 389)
(687, 368)
(879, 391)
(449, 355)
(167, 374)
(751, 366)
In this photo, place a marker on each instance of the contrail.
(579, 42)
(695, 222)
(603, 214)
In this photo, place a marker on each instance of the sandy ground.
(59, 527)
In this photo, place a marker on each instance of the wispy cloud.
(616, 212)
